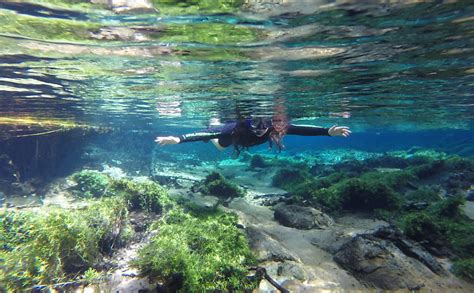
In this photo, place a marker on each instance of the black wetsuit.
(246, 136)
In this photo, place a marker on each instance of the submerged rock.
(387, 260)
(268, 249)
(300, 217)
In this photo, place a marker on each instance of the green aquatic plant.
(146, 195)
(288, 179)
(367, 195)
(393, 179)
(91, 183)
(92, 276)
(456, 163)
(425, 193)
(54, 246)
(449, 208)
(443, 224)
(318, 192)
(464, 268)
(215, 184)
(421, 226)
(427, 170)
(353, 194)
(205, 253)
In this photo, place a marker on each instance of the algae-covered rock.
(301, 217)
(215, 184)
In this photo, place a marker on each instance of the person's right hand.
(164, 140)
(339, 131)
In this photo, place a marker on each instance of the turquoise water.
(88, 85)
(402, 67)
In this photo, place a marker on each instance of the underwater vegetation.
(215, 184)
(55, 245)
(145, 195)
(188, 252)
(91, 183)
(197, 254)
(421, 194)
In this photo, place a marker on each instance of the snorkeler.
(247, 133)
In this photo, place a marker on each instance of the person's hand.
(339, 131)
(164, 140)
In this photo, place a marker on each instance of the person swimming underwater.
(248, 132)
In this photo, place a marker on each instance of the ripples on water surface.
(157, 64)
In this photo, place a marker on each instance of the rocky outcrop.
(386, 259)
(300, 217)
(268, 249)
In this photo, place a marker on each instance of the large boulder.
(387, 260)
(300, 217)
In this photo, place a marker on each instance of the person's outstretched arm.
(307, 130)
(191, 137)
(222, 131)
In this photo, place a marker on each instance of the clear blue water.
(89, 84)
(402, 66)
(397, 74)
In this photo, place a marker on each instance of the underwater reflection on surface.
(403, 66)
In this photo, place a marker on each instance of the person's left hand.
(339, 131)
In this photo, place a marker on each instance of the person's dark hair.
(241, 131)
(244, 127)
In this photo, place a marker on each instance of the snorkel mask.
(259, 127)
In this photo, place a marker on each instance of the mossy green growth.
(425, 193)
(57, 245)
(464, 268)
(456, 163)
(334, 194)
(393, 179)
(215, 184)
(366, 195)
(91, 183)
(318, 192)
(442, 224)
(427, 170)
(289, 179)
(208, 253)
(146, 195)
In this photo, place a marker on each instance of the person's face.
(279, 122)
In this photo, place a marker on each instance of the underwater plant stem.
(261, 272)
